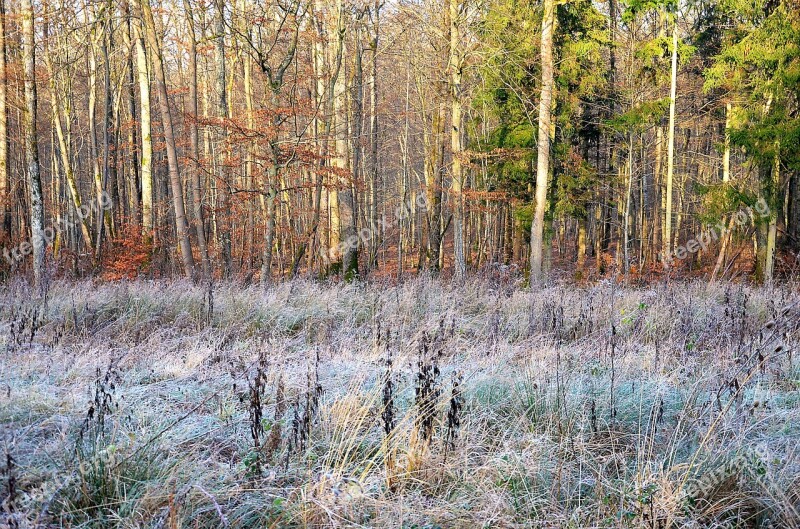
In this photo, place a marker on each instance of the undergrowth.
(168, 405)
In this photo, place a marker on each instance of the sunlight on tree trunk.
(181, 226)
(194, 146)
(5, 187)
(146, 138)
(32, 145)
(667, 249)
(456, 65)
(543, 146)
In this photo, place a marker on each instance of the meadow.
(419, 405)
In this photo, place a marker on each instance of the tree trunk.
(667, 248)
(374, 142)
(354, 144)
(251, 149)
(146, 155)
(134, 195)
(28, 44)
(627, 213)
(772, 228)
(194, 146)
(223, 213)
(455, 66)
(543, 147)
(348, 238)
(726, 176)
(433, 178)
(93, 147)
(181, 227)
(5, 182)
(269, 232)
(109, 147)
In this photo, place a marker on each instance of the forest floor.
(423, 405)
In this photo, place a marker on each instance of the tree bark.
(543, 148)
(374, 142)
(726, 176)
(36, 204)
(5, 181)
(146, 137)
(455, 67)
(348, 238)
(194, 146)
(181, 227)
(667, 235)
(223, 214)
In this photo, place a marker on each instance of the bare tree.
(345, 201)
(667, 249)
(32, 145)
(456, 65)
(5, 187)
(194, 145)
(374, 131)
(264, 50)
(181, 226)
(223, 202)
(146, 155)
(543, 147)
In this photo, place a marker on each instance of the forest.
(264, 141)
(413, 264)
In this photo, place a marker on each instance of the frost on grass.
(419, 405)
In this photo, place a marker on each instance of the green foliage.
(509, 38)
(637, 7)
(640, 117)
(719, 200)
(760, 66)
(524, 214)
(576, 182)
(507, 101)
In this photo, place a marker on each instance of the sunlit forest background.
(272, 140)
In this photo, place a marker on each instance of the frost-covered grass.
(135, 405)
